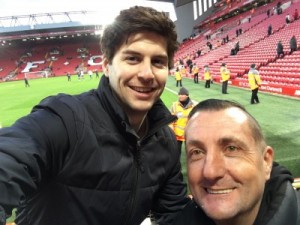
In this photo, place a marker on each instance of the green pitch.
(278, 116)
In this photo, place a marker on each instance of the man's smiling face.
(138, 71)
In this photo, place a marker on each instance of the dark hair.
(138, 19)
(218, 104)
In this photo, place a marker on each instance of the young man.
(106, 156)
(230, 171)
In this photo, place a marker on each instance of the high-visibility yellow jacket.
(183, 71)
(195, 69)
(207, 75)
(182, 114)
(254, 79)
(178, 75)
(225, 73)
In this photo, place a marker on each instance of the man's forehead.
(232, 113)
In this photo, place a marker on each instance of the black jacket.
(76, 160)
(280, 204)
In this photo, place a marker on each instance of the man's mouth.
(142, 89)
(221, 191)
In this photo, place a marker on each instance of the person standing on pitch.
(254, 83)
(207, 76)
(26, 81)
(181, 109)
(178, 77)
(225, 76)
(195, 70)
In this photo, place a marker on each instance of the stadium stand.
(280, 75)
(57, 57)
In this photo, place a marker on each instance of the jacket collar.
(279, 203)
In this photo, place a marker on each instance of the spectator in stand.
(231, 174)
(181, 109)
(287, 19)
(232, 51)
(196, 73)
(293, 44)
(225, 76)
(268, 12)
(189, 63)
(237, 32)
(279, 49)
(106, 156)
(279, 9)
(240, 31)
(207, 76)
(209, 45)
(237, 47)
(198, 53)
(270, 29)
(254, 83)
(181, 61)
(178, 77)
(296, 15)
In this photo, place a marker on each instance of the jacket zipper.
(138, 166)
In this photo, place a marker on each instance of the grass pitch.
(278, 116)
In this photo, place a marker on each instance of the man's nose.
(146, 71)
(214, 166)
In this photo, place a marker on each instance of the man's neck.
(139, 123)
(239, 220)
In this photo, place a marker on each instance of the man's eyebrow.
(231, 139)
(194, 142)
(133, 52)
(130, 52)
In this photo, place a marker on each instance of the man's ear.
(268, 157)
(105, 66)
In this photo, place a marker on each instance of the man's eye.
(132, 59)
(196, 154)
(159, 62)
(231, 148)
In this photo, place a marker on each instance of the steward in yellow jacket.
(195, 72)
(181, 109)
(207, 76)
(178, 77)
(254, 83)
(225, 76)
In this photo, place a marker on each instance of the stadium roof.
(177, 3)
(36, 19)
